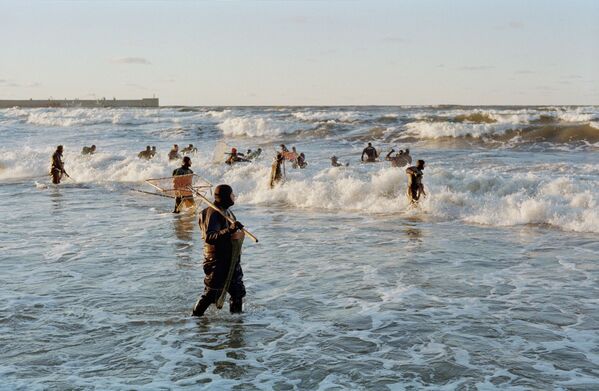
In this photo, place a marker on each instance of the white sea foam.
(475, 197)
(327, 115)
(69, 117)
(257, 127)
(433, 130)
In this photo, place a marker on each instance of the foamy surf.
(490, 283)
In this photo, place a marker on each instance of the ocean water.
(491, 283)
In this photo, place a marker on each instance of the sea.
(491, 282)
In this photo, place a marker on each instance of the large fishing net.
(181, 185)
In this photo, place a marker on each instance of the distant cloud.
(476, 68)
(12, 84)
(393, 40)
(136, 86)
(524, 72)
(131, 60)
(572, 77)
(298, 19)
(327, 52)
(545, 88)
(516, 24)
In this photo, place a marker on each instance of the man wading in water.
(181, 184)
(371, 154)
(222, 248)
(57, 168)
(415, 186)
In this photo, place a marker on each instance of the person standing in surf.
(181, 180)
(88, 150)
(174, 153)
(222, 249)
(276, 174)
(371, 154)
(57, 168)
(415, 185)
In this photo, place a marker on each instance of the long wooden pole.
(156, 194)
(230, 220)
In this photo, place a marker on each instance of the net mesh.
(179, 186)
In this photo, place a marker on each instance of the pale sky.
(304, 52)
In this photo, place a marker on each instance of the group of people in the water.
(222, 234)
(297, 159)
(238, 157)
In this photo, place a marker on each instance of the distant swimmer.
(88, 150)
(335, 162)
(147, 154)
(296, 159)
(407, 157)
(235, 157)
(276, 174)
(183, 194)
(399, 160)
(253, 154)
(284, 148)
(57, 168)
(153, 151)
(415, 185)
(371, 154)
(301, 161)
(174, 153)
(222, 254)
(189, 149)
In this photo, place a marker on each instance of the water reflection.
(56, 200)
(414, 235)
(184, 227)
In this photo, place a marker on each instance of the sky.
(303, 52)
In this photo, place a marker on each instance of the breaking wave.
(490, 196)
(258, 127)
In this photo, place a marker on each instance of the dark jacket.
(57, 163)
(182, 171)
(217, 246)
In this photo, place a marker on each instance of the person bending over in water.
(415, 185)
(57, 168)
(174, 153)
(301, 161)
(184, 195)
(147, 154)
(371, 154)
(189, 149)
(88, 150)
(220, 238)
(399, 160)
(334, 162)
(254, 154)
(235, 157)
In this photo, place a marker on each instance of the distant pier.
(87, 103)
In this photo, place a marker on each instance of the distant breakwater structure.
(86, 103)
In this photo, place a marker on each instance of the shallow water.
(491, 284)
